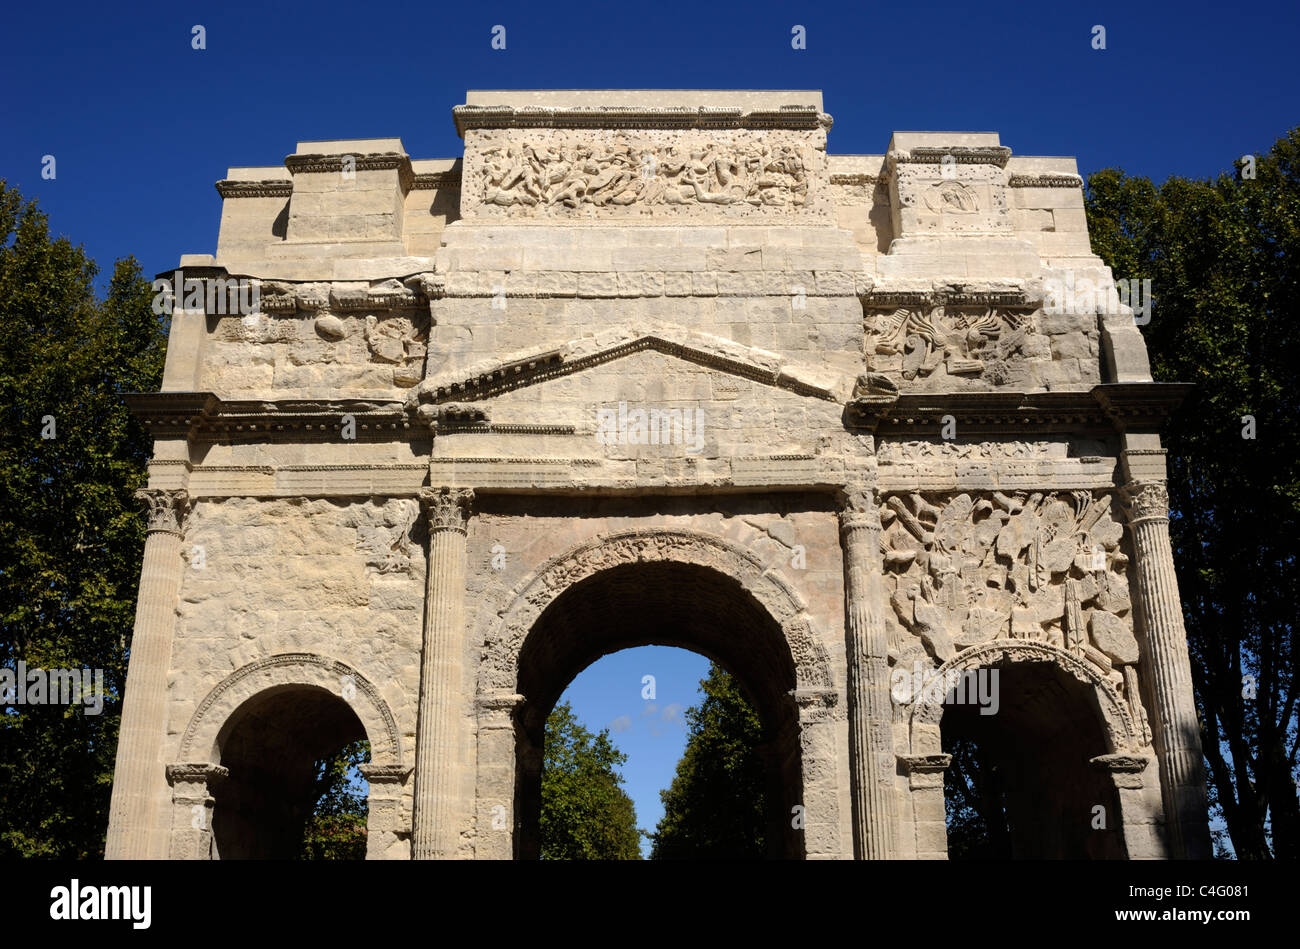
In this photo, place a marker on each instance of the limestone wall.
(341, 579)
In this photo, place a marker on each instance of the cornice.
(204, 416)
(876, 299)
(1103, 409)
(435, 180)
(793, 117)
(334, 163)
(270, 188)
(858, 178)
(422, 286)
(1140, 406)
(481, 383)
(957, 154)
(1044, 181)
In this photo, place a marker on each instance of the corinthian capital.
(166, 510)
(446, 508)
(1144, 500)
(859, 507)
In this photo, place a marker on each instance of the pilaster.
(192, 803)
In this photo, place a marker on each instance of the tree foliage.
(585, 814)
(974, 803)
(70, 531)
(336, 828)
(1222, 258)
(715, 807)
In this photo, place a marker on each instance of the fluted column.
(439, 737)
(139, 785)
(871, 750)
(1175, 729)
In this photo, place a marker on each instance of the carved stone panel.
(954, 191)
(328, 349)
(387, 541)
(645, 174)
(963, 570)
(930, 345)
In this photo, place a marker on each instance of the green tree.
(71, 536)
(585, 814)
(336, 828)
(974, 803)
(1222, 258)
(715, 808)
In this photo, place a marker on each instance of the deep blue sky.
(610, 693)
(141, 125)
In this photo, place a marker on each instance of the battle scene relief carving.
(928, 344)
(965, 570)
(630, 177)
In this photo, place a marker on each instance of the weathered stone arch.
(792, 678)
(1116, 719)
(526, 602)
(202, 738)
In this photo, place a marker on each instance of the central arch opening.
(662, 604)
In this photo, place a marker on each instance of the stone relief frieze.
(574, 178)
(964, 570)
(934, 342)
(941, 193)
(893, 453)
(330, 341)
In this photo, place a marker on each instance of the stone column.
(440, 738)
(871, 730)
(135, 820)
(192, 801)
(1175, 728)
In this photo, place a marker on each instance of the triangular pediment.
(491, 378)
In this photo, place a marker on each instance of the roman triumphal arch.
(653, 367)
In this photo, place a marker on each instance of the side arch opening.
(272, 745)
(1021, 784)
